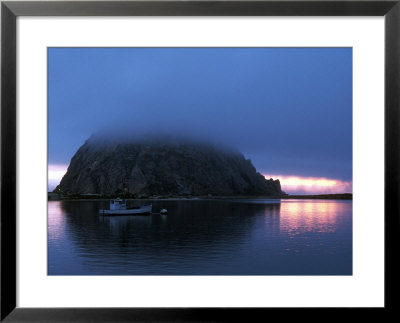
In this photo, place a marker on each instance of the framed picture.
(197, 160)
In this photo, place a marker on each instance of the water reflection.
(189, 224)
(118, 224)
(199, 237)
(311, 215)
(56, 221)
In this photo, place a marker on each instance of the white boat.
(118, 207)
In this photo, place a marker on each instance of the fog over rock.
(162, 165)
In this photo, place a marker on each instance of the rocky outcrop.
(162, 167)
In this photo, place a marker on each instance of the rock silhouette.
(162, 167)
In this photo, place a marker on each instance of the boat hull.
(144, 210)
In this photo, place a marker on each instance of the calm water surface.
(202, 237)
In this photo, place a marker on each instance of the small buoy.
(163, 211)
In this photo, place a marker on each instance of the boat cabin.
(118, 204)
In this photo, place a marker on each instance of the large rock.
(162, 167)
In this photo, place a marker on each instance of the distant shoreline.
(342, 196)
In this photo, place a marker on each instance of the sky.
(289, 110)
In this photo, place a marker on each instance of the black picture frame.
(10, 10)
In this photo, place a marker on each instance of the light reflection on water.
(56, 222)
(203, 237)
(310, 216)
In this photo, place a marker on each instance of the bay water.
(202, 237)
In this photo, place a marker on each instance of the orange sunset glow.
(311, 185)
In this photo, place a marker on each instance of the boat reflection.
(126, 222)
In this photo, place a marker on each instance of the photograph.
(200, 161)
